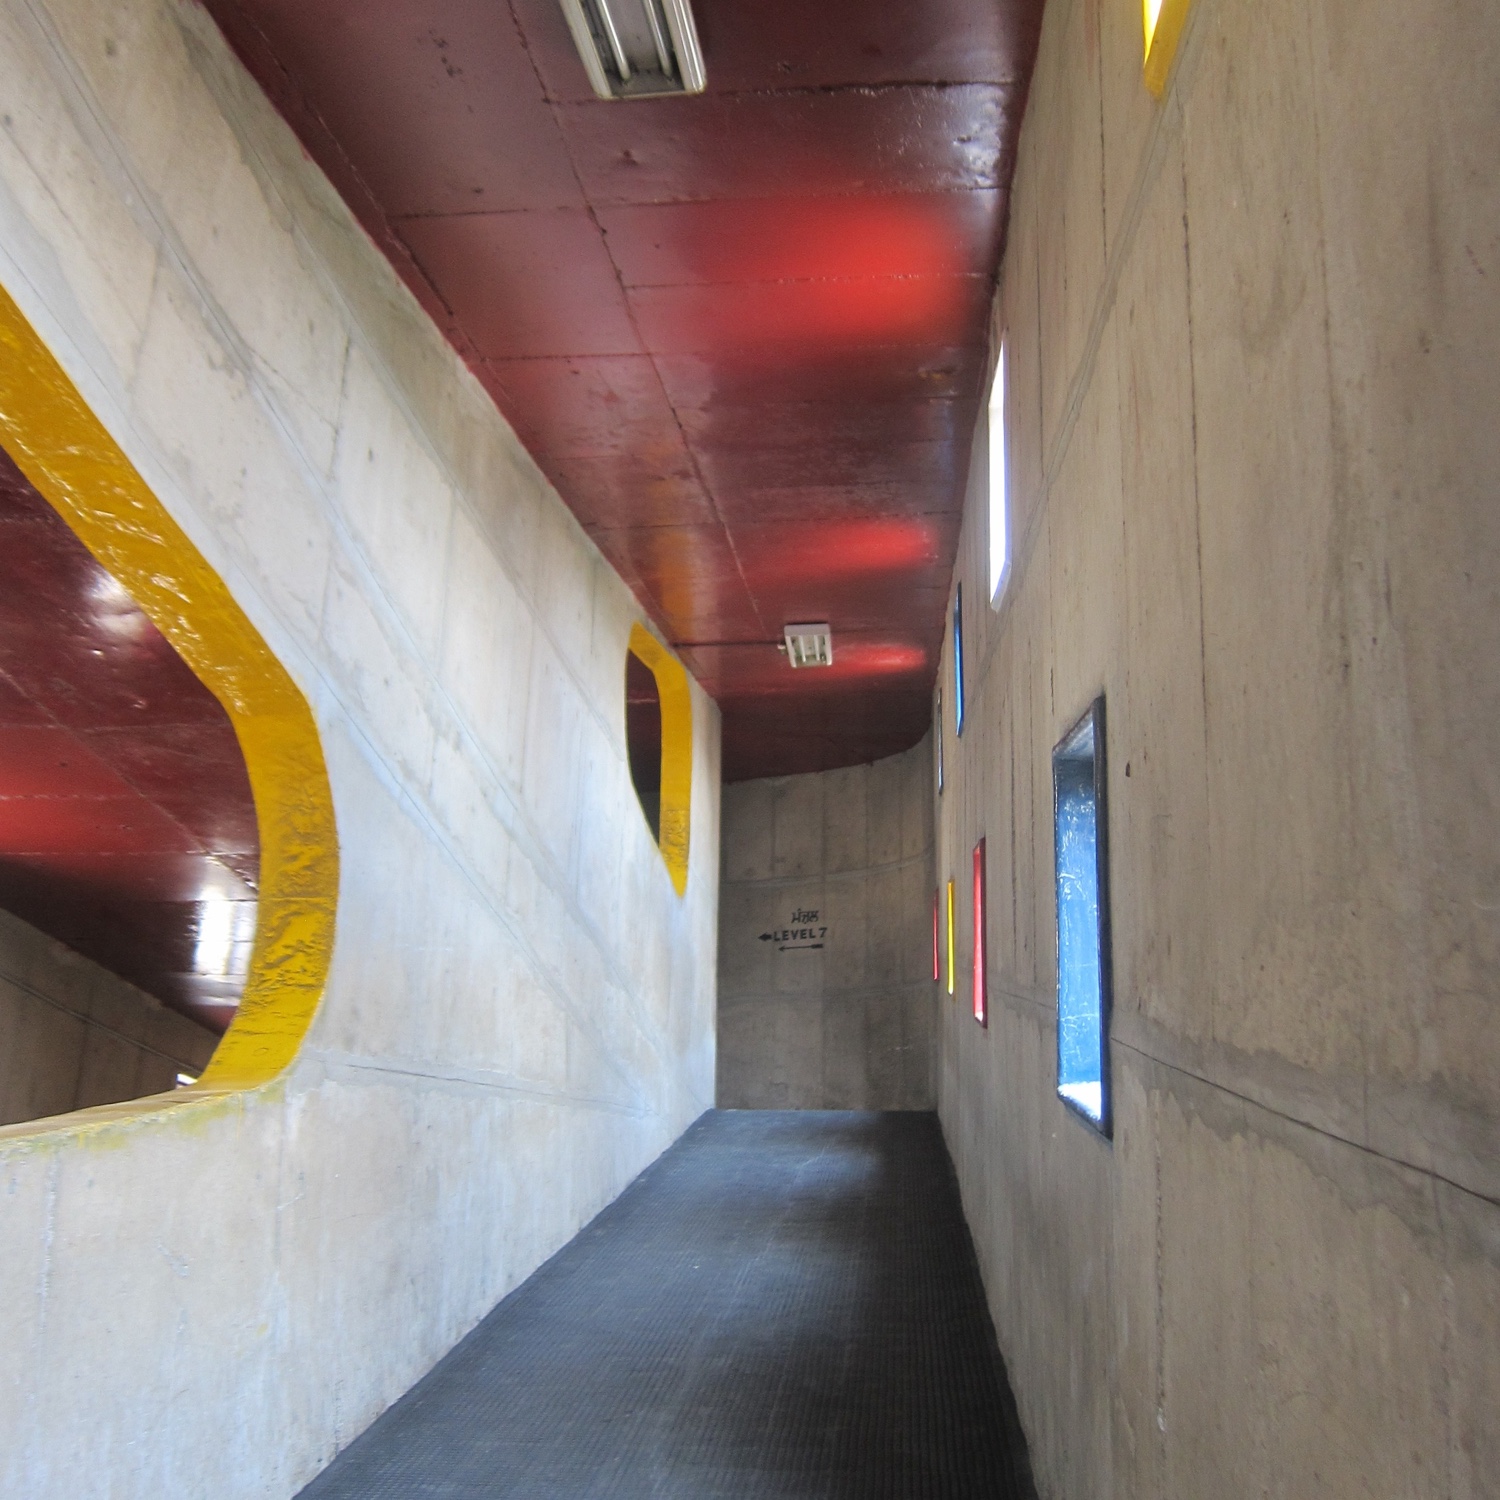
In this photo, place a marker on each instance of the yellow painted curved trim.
(1163, 21)
(64, 450)
(676, 751)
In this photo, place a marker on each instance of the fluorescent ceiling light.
(637, 49)
(809, 645)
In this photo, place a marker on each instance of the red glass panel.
(981, 989)
(937, 965)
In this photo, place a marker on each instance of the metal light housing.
(637, 49)
(808, 645)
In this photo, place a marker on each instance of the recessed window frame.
(1083, 745)
(981, 991)
(958, 660)
(997, 483)
(937, 735)
(952, 934)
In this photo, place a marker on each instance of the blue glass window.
(958, 660)
(1083, 967)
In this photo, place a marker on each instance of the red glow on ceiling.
(854, 313)
(835, 551)
(877, 658)
(744, 334)
(796, 239)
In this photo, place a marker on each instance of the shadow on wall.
(826, 999)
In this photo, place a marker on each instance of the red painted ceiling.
(743, 333)
(127, 828)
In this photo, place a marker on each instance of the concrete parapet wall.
(72, 1034)
(825, 942)
(519, 1015)
(1252, 453)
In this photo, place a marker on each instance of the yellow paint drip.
(66, 453)
(676, 751)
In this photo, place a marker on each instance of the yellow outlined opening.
(65, 452)
(671, 798)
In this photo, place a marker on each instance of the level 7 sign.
(802, 931)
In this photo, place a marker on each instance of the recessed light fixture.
(808, 645)
(637, 49)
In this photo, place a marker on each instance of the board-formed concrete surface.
(826, 998)
(1252, 473)
(785, 1304)
(212, 1299)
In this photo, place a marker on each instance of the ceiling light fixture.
(637, 49)
(808, 645)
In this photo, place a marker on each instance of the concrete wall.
(212, 1299)
(72, 1034)
(1253, 455)
(825, 940)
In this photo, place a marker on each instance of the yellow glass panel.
(1163, 23)
(1153, 10)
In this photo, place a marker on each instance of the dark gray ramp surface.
(784, 1305)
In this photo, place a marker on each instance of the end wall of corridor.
(825, 939)
(1253, 457)
(520, 1013)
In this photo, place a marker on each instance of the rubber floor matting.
(784, 1305)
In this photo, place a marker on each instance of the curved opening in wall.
(659, 744)
(168, 857)
(643, 738)
(129, 852)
